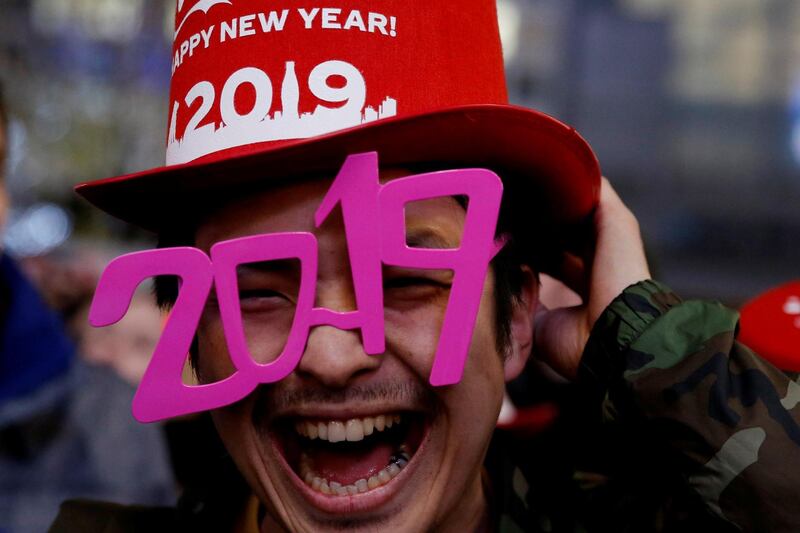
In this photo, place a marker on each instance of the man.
(369, 304)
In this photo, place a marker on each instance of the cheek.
(480, 392)
(266, 333)
(413, 334)
(266, 336)
(483, 350)
(214, 363)
(236, 432)
(473, 405)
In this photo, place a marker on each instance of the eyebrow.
(428, 238)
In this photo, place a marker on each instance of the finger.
(619, 257)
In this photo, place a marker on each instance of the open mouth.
(346, 457)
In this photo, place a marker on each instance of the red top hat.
(263, 91)
(770, 325)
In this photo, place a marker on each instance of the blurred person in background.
(65, 426)
(66, 279)
(125, 347)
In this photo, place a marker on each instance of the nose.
(336, 358)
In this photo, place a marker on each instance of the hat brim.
(548, 169)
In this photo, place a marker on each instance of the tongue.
(348, 463)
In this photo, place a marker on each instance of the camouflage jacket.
(694, 432)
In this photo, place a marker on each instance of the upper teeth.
(351, 430)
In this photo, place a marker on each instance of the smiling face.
(350, 440)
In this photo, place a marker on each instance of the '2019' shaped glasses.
(374, 224)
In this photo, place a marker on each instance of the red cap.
(263, 91)
(770, 325)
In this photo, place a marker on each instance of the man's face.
(351, 440)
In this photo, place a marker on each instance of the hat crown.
(246, 73)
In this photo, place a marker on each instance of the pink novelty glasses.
(374, 222)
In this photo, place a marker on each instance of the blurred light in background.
(723, 51)
(102, 20)
(16, 146)
(509, 20)
(37, 229)
(170, 8)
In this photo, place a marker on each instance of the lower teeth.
(397, 462)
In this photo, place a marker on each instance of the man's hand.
(598, 276)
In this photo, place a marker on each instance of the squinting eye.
(256, 300)
(405, 282)
(414, 287)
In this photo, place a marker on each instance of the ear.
(522, 314)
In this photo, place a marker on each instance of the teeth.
(401, 457)
(336, 431)
(352, 430)
(397, 462)
(355, 430)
